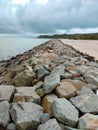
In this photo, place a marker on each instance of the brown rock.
(47, 103)
(66, 90)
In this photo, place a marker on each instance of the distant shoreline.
(90, 36)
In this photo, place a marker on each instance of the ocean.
(11, 46)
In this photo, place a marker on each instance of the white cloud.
(23, 2)
(42, 1)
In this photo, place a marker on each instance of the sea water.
(11, 46)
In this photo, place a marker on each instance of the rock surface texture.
(51, 87)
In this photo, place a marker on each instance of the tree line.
(91, 36)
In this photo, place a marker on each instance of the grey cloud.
(55, 15)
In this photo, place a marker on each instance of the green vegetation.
(91, 36)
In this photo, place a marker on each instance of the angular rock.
(51, 82)
(91, 79)
(66, 76)
(42, 73)
(86, 103)
(6, 92)
(26, 115)
(51, 124)
(65, 112)
(65, 90)
(4, 113)
(44, 117)
(88, 122)
(27, 93)
(24, 78)
(59, 70)
(85, 90)
(47, 103)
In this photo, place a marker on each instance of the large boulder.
(65, 90)
(65, 112)
(88, 122)
(24, 78)
(4, 113)
(6, 92)
(86, 103)
(26, 115)
(47, 103)
(51, 124)
(51, 82)
(59, 70)
(26, 93)
(41, 73)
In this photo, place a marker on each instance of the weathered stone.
(85, 90)
(91, 78)
(66, 76)
(4, 113)
(40, 92)
(51, 82)
(11, 126)
(24, 78)
(59, 70)
(41, 73)
(88, 122)
(18, 97)
(6, 92)
(28, 115)
(27, 93)
(82, 69)
(86, 103)
(69, 128)
(44, 117)
(47, 103)
(65, 112)
(66, 90)
(77, 84)
(51, 124)
(38, 85)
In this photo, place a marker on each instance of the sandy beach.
(86, 46)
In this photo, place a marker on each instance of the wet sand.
(86, 46)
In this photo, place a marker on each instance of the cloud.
(53, 16)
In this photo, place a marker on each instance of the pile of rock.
(51, 87)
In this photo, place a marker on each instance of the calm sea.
(11, 46)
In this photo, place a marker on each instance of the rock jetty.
(51, 87)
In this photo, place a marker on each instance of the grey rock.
(41, 73)
(88, 122)
(59, 70)
(26, 115)
(51, 82)
(69, 128)
(51, 124)
(91, 79)
(4, 113)
(65, 112)
(6, 92)
(44, 117)
(66, 76)
(29, 94)
(11, 126)
(86, 103)
(85, 90)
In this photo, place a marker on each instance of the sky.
(48, 16)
